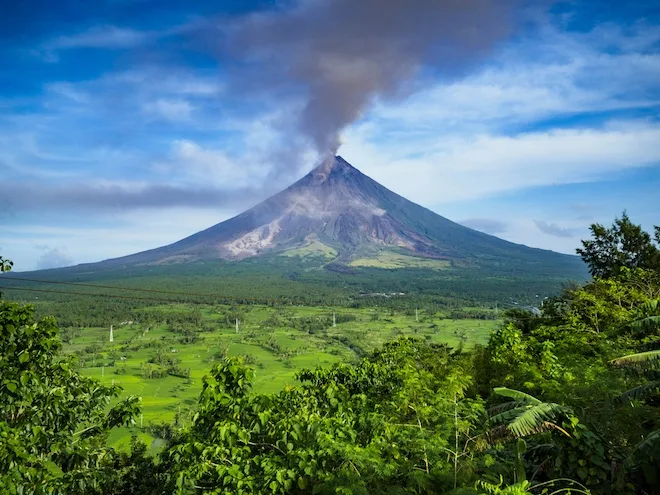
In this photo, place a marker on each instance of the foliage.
(566, 357)
(645, 457)
(139, 475)
(5, 265)
(622, 245)
(266, 280)
(526, 415)
(53, 421)
(378, 427)
(521, 488)
(566, 486)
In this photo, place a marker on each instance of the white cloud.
(531, 117)
(551, 228)
(123, 234)
(54, 258)
(201, 165)
(262, 156)
(515, 123)
(451, 168)
(100, 37)
(170, 81)
(22, 154)
(174, 110)
(68, 91)
(549, 75)
(525, 231)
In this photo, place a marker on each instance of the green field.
(276, 341)
(392, 260)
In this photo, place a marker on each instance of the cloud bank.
(487, 225)
(54, 258)
(118, 196)
(554, 230)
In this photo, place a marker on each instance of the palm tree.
(650, 320)
(522, 417)
(646, 364)
(525, 415)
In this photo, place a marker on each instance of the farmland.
(164, 362)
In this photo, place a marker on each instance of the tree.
(623, 245)
(564, 358)
(5, 265)
(53, 420)
(389, 424)
(645, 456)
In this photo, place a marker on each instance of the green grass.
(313, 247)
(392, 260)
(276, 353)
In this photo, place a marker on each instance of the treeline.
(278, 281)
(82, 311)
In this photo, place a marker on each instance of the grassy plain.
(276, 341)
(391, 260)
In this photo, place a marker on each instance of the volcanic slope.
(339, 213)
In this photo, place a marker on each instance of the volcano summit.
(339, 213)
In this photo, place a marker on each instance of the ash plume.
(342, 55)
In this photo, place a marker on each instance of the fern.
(521, 488)
(525, 487)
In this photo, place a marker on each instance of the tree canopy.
(623, 245)
(53, 420)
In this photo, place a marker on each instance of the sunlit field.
(276, 342)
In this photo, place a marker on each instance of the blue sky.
(122, 129)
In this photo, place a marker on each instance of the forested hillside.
(564, 400)
(109, 295)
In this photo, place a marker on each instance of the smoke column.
(339, 56)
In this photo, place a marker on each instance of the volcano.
(339, 214)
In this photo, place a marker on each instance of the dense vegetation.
(561, 399)
(282, 280)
